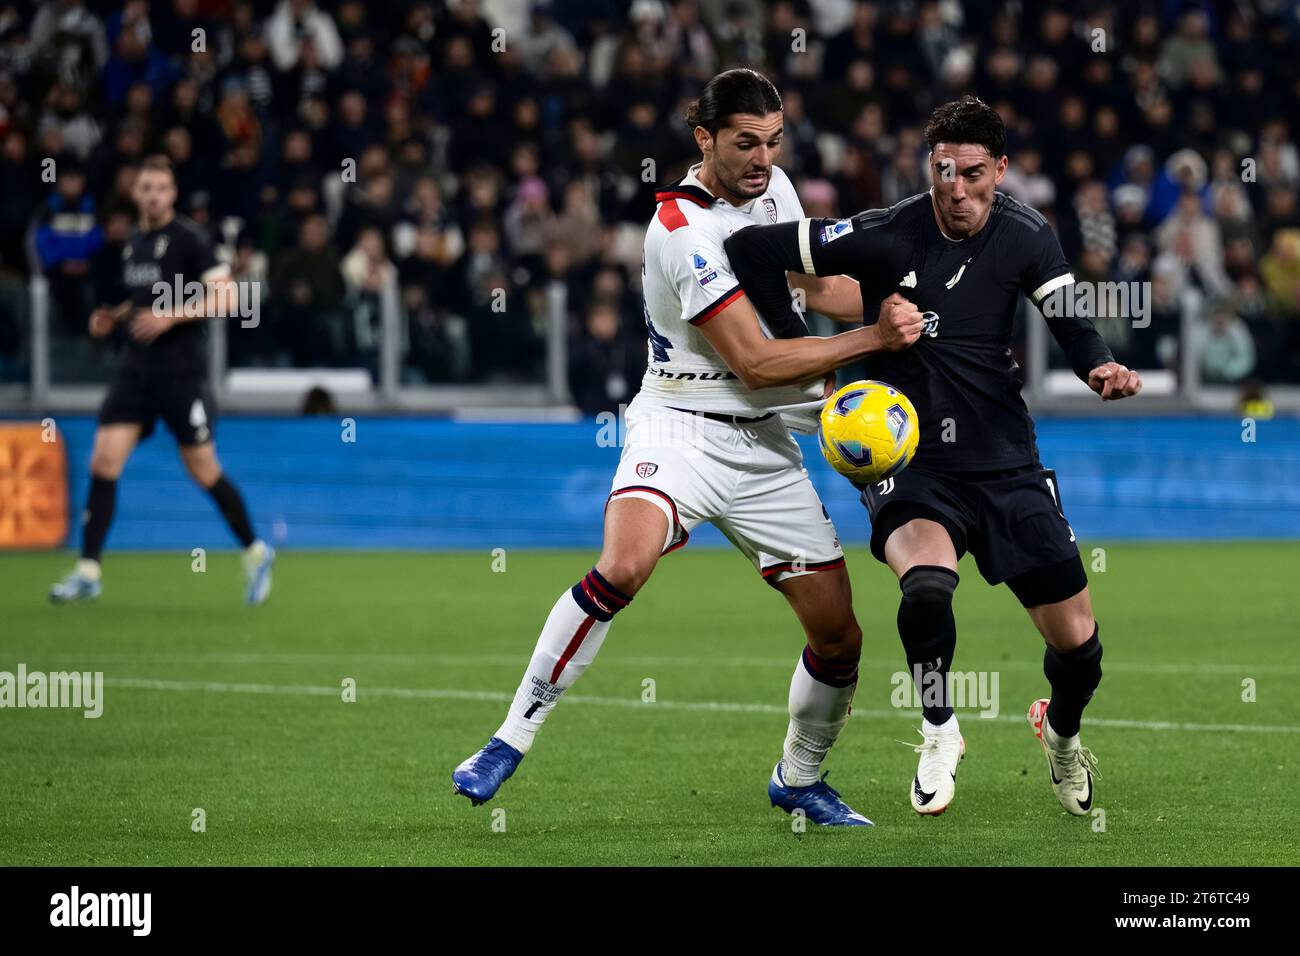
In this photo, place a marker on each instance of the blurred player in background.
(163, 374)
(705, 444)
(964, 253)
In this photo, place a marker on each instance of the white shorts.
(748, 480)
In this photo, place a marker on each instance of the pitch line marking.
(728, 707)
(517, 660)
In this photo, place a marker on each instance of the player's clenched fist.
(101, 323)
(148, 324)
(900, 323)
(1113, 381)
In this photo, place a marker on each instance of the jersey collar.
(689, 188)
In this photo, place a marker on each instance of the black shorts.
(1011, 522)
(185, 404)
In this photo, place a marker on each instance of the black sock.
(929, 633)
(1074, 676)
(99, 515)
(232, 508)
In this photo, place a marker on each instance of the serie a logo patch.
(832, 231)
(704, 273)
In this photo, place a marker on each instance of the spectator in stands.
(106, 279)
(424, 215)
(1129, 203)
(1089, 225)
(1223, 345)
(819, 198)
(371, 280)
(372, 204)
(1194, 237)
(279, 94)
(65, 238)
(907, 174)
(78, 131)
(296, 23)
(310, 290)
(248, 269)
(529, 222)
(605, 364)
(577, 227)
(1187, 48)
(1280, 212)
(1171, 298)
(19, 198)
(67, 33)
(1026, 181)
(135, 59)
(191, 171)
(1280, 270)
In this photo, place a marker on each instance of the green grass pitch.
(239, 711)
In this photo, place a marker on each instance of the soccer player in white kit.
(704, 444)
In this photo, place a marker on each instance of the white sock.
(948, 726)
(818, 712)
(1056, 742)
(88, 568)
(568, 643)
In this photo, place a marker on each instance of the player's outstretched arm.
(760, 362)
(1091, 359)
(836, 249)
(836, 297)
(1046, 278)
(219, 297)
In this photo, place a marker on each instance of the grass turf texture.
(299, 777)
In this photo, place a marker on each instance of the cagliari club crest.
(770, 206)
(645, 469)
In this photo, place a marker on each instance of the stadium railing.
(1047, 388)
(283, 390)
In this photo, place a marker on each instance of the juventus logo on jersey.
(886, 486)
(160, 247)
(957, 278)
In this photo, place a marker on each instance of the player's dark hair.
(735, 91)
(968, 120)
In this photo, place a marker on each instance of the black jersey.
(176, 254)
(960, 374)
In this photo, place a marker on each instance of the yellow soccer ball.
(868, 431)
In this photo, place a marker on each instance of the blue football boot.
(481, 776)
(820, 802)
(257, 560)
(76, 586)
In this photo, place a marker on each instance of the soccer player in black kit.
(964, 253)
(163, 374)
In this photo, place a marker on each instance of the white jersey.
(687, 280)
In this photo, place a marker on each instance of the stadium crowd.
(472, 163)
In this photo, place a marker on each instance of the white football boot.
(936, 773)
(1071, 766)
